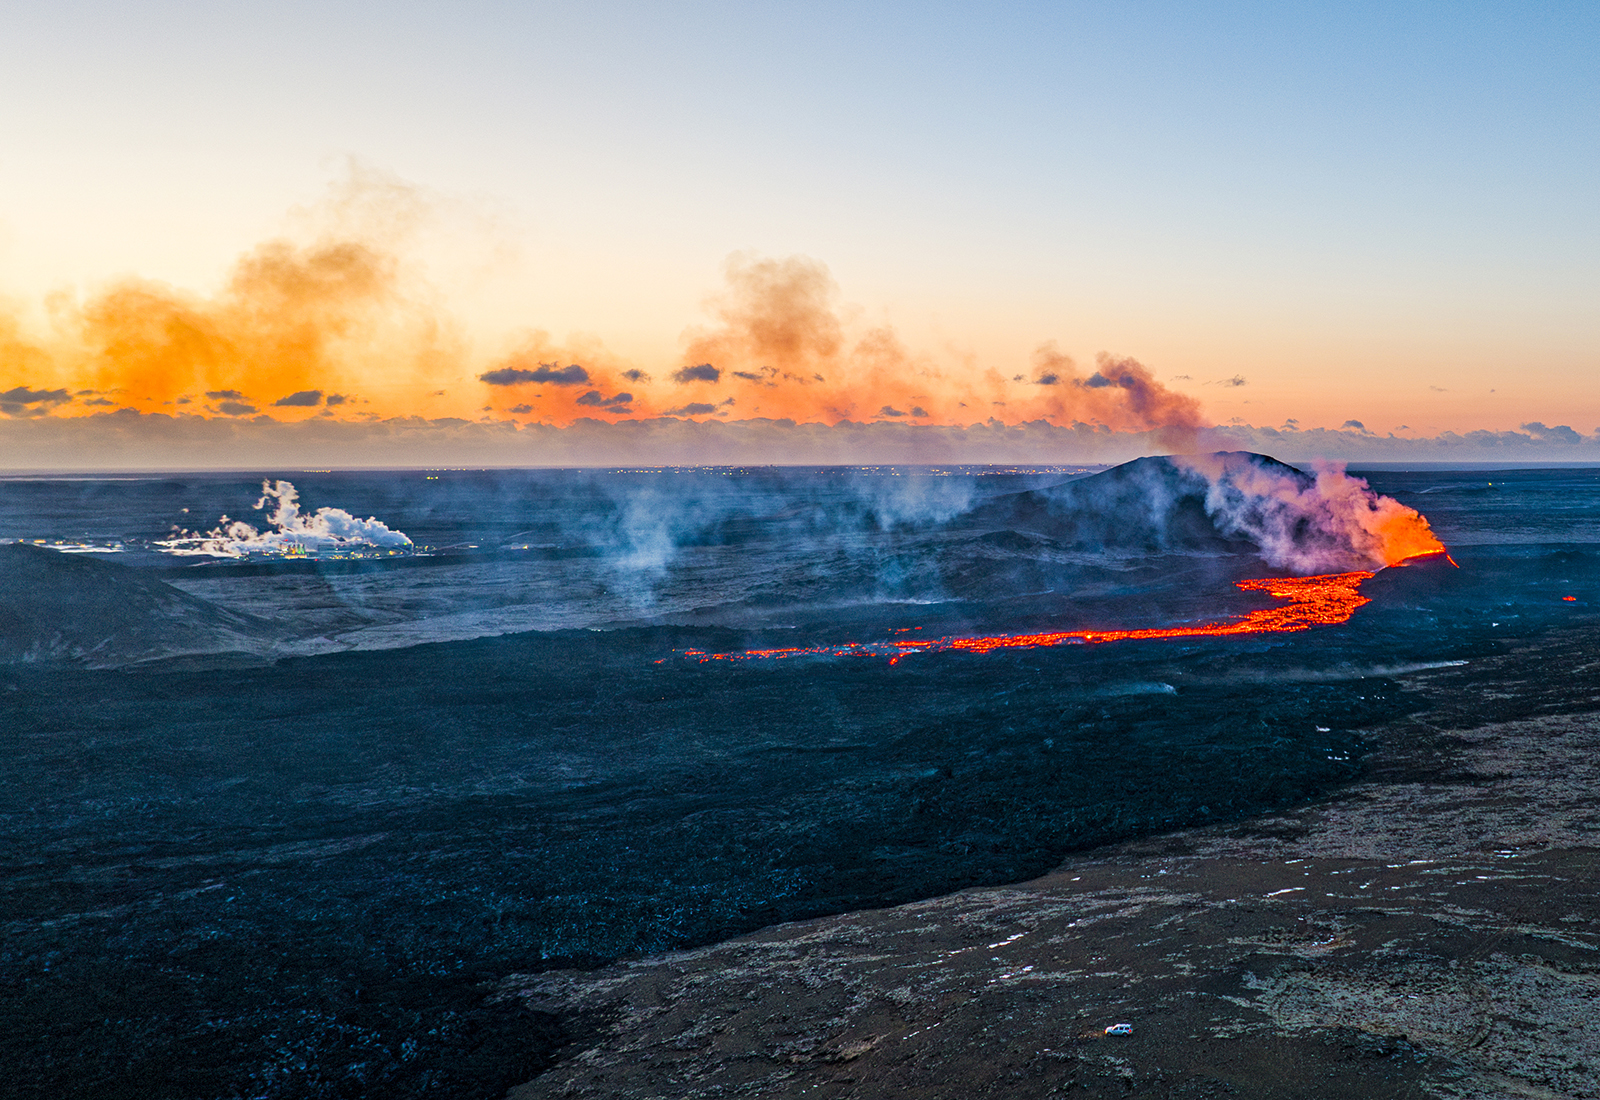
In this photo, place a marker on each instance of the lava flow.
(1325, 600)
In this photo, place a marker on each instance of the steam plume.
(1328, 523)
(292, 530)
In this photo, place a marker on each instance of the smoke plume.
(336, 325)
(293, 320)
(783, 346)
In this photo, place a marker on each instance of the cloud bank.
(132, 441)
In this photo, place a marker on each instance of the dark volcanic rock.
(57, 607)
(1429, 933)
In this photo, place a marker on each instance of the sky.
(1337, 223)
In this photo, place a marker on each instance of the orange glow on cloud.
(339, 329)
(781, 349)
(295, 332)
(337, 323)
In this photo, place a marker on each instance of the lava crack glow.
(1325, 600)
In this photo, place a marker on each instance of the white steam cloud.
(292, 531)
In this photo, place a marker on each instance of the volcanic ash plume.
(328, 529)
(1330, 522)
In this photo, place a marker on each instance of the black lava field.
(298, 874)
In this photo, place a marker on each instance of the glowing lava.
(1313, 601)
(1404, 535)
(1325, 600)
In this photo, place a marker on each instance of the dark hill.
(1149, 505)
(57, 607)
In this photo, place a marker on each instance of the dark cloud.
(889, 410)
(636, 375)
(337, 399)
(1355, 424)
(519, 410)
(21, 401)
(1236, 380)
(694, 408)
(573, 375)
(304, 399)
(1048, 378)
(701, 372)
(918, 410)
(619, 403)
(99, 401)
(235, 408)
(226, 395)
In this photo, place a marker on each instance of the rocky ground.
(1431, 931)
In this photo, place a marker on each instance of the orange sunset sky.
(1372, 222)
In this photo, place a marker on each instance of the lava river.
(1325, 600)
